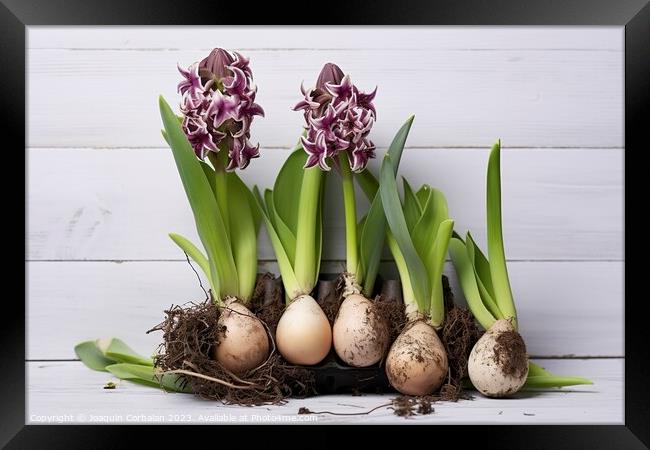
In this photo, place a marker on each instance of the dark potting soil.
(191, 331)
(329, 296)
(510, 353)
(459, 334)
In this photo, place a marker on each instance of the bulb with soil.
(417, 361)
(303, 334)
(243, 341)
(498, 363)
(360, 333)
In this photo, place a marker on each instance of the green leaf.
(287, 237)
(486, 296)
(193, 252)
(546, 381)
(496, 252)
(307, 234)
(92, 356)
(482, 266)
(467, 279)
(371, 242)
(397, 223)
(319, 231)
(435, 264)
(286, 190)
(210, 176)
(536, 370)
(119, 351)
(289, 280)
(209, 223)
(368, 183)
(412, 207)
(243, 235)
(149, 376)
(434, 212)
(422, 194)
(402, 268)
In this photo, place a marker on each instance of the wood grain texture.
(564, 308)
(524, 86)
(120, 204)
(68, 392)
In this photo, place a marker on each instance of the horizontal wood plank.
(526, 97)
(564, 308)
(325, 37)
(68, 392)
(121, 204)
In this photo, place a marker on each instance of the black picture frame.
(15, 15)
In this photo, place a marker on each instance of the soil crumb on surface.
(510, 353)
(191, 331)
(406, 406)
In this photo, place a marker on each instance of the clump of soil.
(510, 354)
(406, 406)
(191, 331)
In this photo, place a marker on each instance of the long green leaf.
(319, 230)
(434, 212)
(209, 223)
(436, 263)
(496, 252)
(291, 285)
(197, 256)
(546, 381)
(285, 234)
(374, 231)
(119, 351)
(397, 223)
(412, 207)
(148, 376)
(537, 370)
(423, 194)
(467, 279)
(368, 183)
(243, 235)
(486, 296)
(482, 266)
(92, 356)
(286, 190)
(210, 176)
(402, 268)
(305, 263)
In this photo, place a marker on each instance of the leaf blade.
(210, 225)
(397, 223)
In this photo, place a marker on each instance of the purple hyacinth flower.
(338, 118)
(218, 106)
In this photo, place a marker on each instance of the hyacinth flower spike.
(217, 109)
(338, 121)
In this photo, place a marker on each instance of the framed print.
(404, 215)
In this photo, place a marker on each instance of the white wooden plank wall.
(103, 189)
(103, 193)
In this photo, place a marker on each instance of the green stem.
(305, 261)
(349, 201)
(219, 161)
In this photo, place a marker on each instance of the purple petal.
(221, 108)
